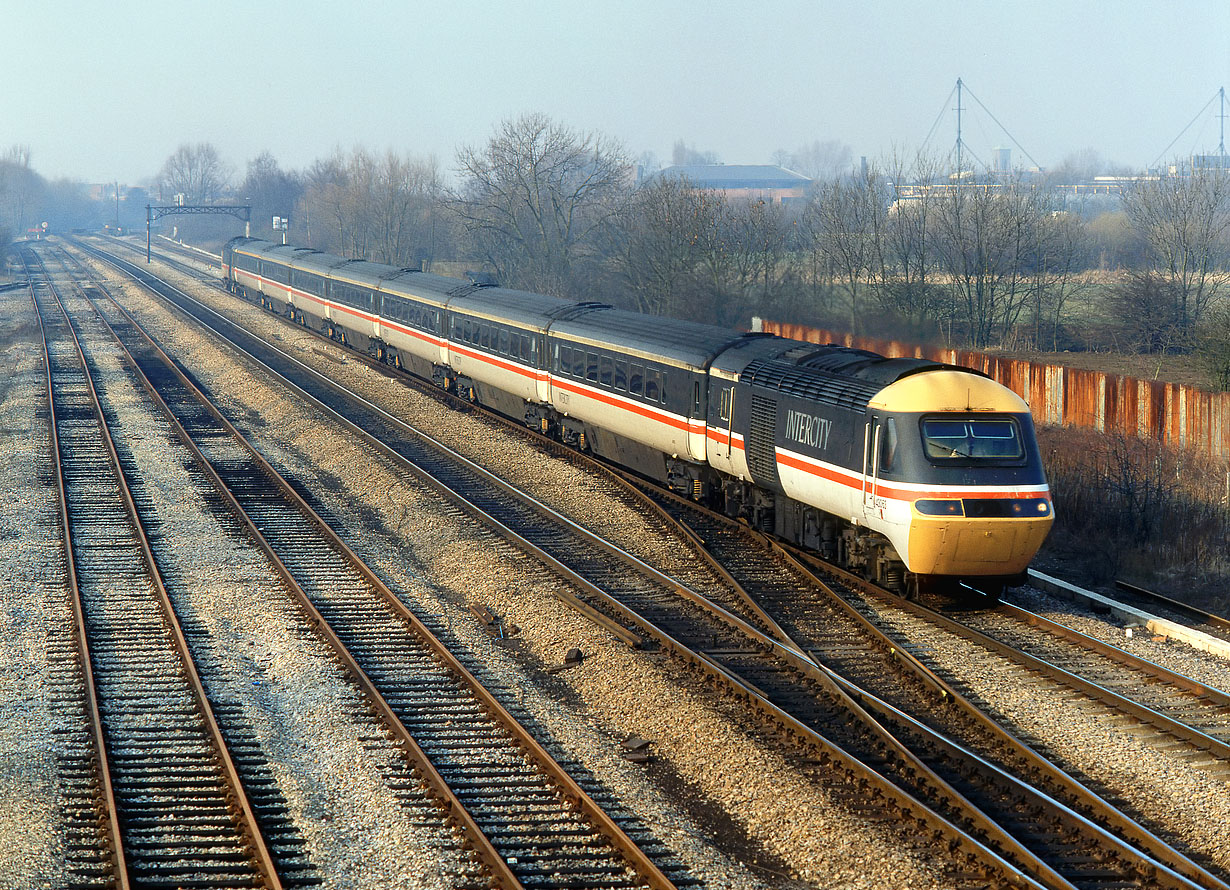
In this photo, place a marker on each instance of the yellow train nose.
(963, 546)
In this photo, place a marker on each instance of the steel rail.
(247, 818)
(528, 500)
(1123, 824)
(1128, 827)
(573, 793)
(1197, 689)
(798, 660)
(109, 816)
(1169, 859)
(768, 623)
(1145, 839)
(1187, 609)
(774, 714)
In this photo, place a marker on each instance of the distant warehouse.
(766, 182)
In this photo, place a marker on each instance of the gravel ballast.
(440, 564)
(309, 721)
(34, 612)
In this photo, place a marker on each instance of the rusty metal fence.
(1167, 412)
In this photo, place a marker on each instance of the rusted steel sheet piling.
(1166, 412)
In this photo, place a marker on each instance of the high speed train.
(912, 473)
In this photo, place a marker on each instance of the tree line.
(896, 248)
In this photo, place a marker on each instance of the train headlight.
(939, 507)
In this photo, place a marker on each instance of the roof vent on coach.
(482, 279)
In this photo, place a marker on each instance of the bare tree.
(987, 235)
(20, 188)
(845, 219)
(1185, 221)
(1078, 166)
(323, 207)
(194, 171)
(1213, 344)
(270, 190)
(821, 160)
(684, 155)
(905, 286)
(781, 158)
(657, 249)
(376, 207)
(1055, 267)
(536, 196)
(1145, 309)
(757, 238)
(407, 192)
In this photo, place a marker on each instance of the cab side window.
(888, 444)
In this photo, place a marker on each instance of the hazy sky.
(104, 91)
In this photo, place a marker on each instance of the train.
(915, 474)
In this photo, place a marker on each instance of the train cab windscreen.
(972, 439)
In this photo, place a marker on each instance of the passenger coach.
(908, 471)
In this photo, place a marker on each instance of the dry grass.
(1139, 511)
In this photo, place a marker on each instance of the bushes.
(1135, 509)
(1145, 310)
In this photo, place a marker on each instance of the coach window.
(664, 392)
(591, 367)
(525, 348)
(696, 398)
(636, 383)
(606, 370)
(621, 375)
(504, 342)
(653, 387)
(563, 359)
(578, 362)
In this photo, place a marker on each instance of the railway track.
(528, 821)
(169, 791)
(1166, 607)
(1082, 851)
(1187, 716)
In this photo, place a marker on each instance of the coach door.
(726, 413)
(872, 503)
